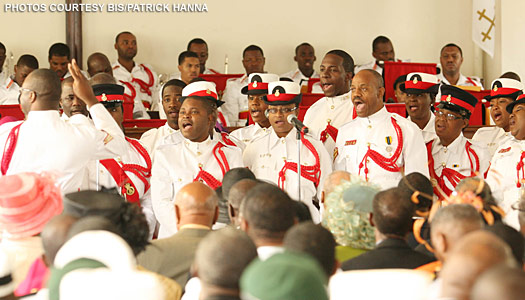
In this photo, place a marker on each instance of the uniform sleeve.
(230, 108)
(326, 167)
(415, 151)
(163, 194)
(147, 209)
(148, 139)
(113, 137)
(495, 176)
(339, 160)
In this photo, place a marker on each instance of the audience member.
(237, 193)
(230, 178)
(305, 58)
(499, 282)
(59, 57)
(189, 67)
(200, 47)
(382, 51)
(69, 102)
(512, 238)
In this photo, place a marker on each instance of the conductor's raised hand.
(81, 87)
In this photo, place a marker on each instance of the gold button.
(443, 164)
(198, 153)
(367, 161)
(328, 120)
(369, 126)
(284, 158)
(445, 150)
(262, 167)
(200, 165)
(368, 144)
(332, 107)
(282, 141)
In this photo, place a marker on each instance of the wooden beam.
(74, 32)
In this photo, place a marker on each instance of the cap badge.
(208, 92)
(104, 97)
(449, 97)
(255, 84)
(495, 88)
(414, 81)
(277, 93)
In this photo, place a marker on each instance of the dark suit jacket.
(173, 256)
(390, 253)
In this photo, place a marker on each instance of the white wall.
(418, 30)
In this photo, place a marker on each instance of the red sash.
(312, 173)
(9, 148)
(329, 131)
(388, 164)
(519, 168)
(145, 87)
(206, 177)
(131, 97)
(227, 140)
(118, 172)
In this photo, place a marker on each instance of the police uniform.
(419, 83)
(381, 148)
(275, 159)
(235, 107)
(462, 81)
(140, 86)
(180, 161)
(130, 171)
(327, 115)
(249, 133)
(44, 142)
(373, 65)
(9, 92)
(153, 137)
(462, 158)
(298, 77)
(493, 137)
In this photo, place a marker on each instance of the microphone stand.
(298, 137)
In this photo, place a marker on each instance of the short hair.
(511, 75)
(91, 223)
(452, 45)
(239, 190)
(184, 54)
(302, 212)
(457, 220)
(27, 60)
(399, 80)
(348, 61)
(417, 182)
(222, 256)
(233, 176)
(252, 48)
(377, 77)
(59, 49)
(300, 45)
(512, 237)
(392, 213)
(196, 41)
(121, 33)
(379, 40)
(102, 78)
(2, 47)
(45, 83)
(315, 240)
(268, 210)
(173, 82)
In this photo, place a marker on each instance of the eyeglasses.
(284, 110)
(448, 116)
(21, 90)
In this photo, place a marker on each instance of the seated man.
(382, 50)
(236, 105)
(451, 156)
(3, 56)
(503, 92)
(70, 103)
(188, 67)
(10, 88)
(59, 57)
(170, 93)
(139, 80)
(305, 58)
(273, 157)
(99, 63)
(420, 90)
(192, 155)
(256, 90)
(392, 218)
(451, 58)
(200, 47)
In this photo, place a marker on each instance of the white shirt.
(152, 138)
(377, 131)
(104, 178)
(266, 157)
(9, 91)
(338, 110)
(122, 74)
(3, 75)
(462, 81)
(455, 157)
(235, 102)
(492, 137)
(503, 179)
(298, 77)
(265, 252)
(249, 133)
(429, 132)
(47, 143)
(176, 165)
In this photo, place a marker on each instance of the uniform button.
(328, 120)
(180, 179)
(367, 161)
(332, 107)
(369, 126)
(200, 165)
(445, 150)
(282, 141)
(262, 167)
(443, 164)
(284, 158)
(368, 144)
(198, 153)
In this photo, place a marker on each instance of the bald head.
(473, 254)
(44, 91)
(333, 180)
(196, 203)
(450, 224)
(500, 282)
(99, 63)
(102, 78)
(237, 192)
(373, 76)
(54, 235)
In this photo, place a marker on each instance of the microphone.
(292, 119)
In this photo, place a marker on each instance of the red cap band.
(281, 97)
(104, 98)
(503, 91)
(206, 93)
(260, 86)
(420, 85)
(456, 101)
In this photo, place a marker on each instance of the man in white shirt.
(70, 103)
(236, 104)
(421, 90)
(377, 145)
(382, 50)
(305, 58)
(503, 92)
(189, 67)
(200, 47)
(139, 80)
(9, 90)
(451, 58)
(329, 113)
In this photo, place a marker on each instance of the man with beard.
(70, 103)
(329, 113)
(382, 50)
(196, 155)
(451, 58)
(420, 90)
(503, 92)
(256, 90)
(139, 80)
(305, 58)
(377, 145)
(452, 157)
(236, 105)
(505, 183)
